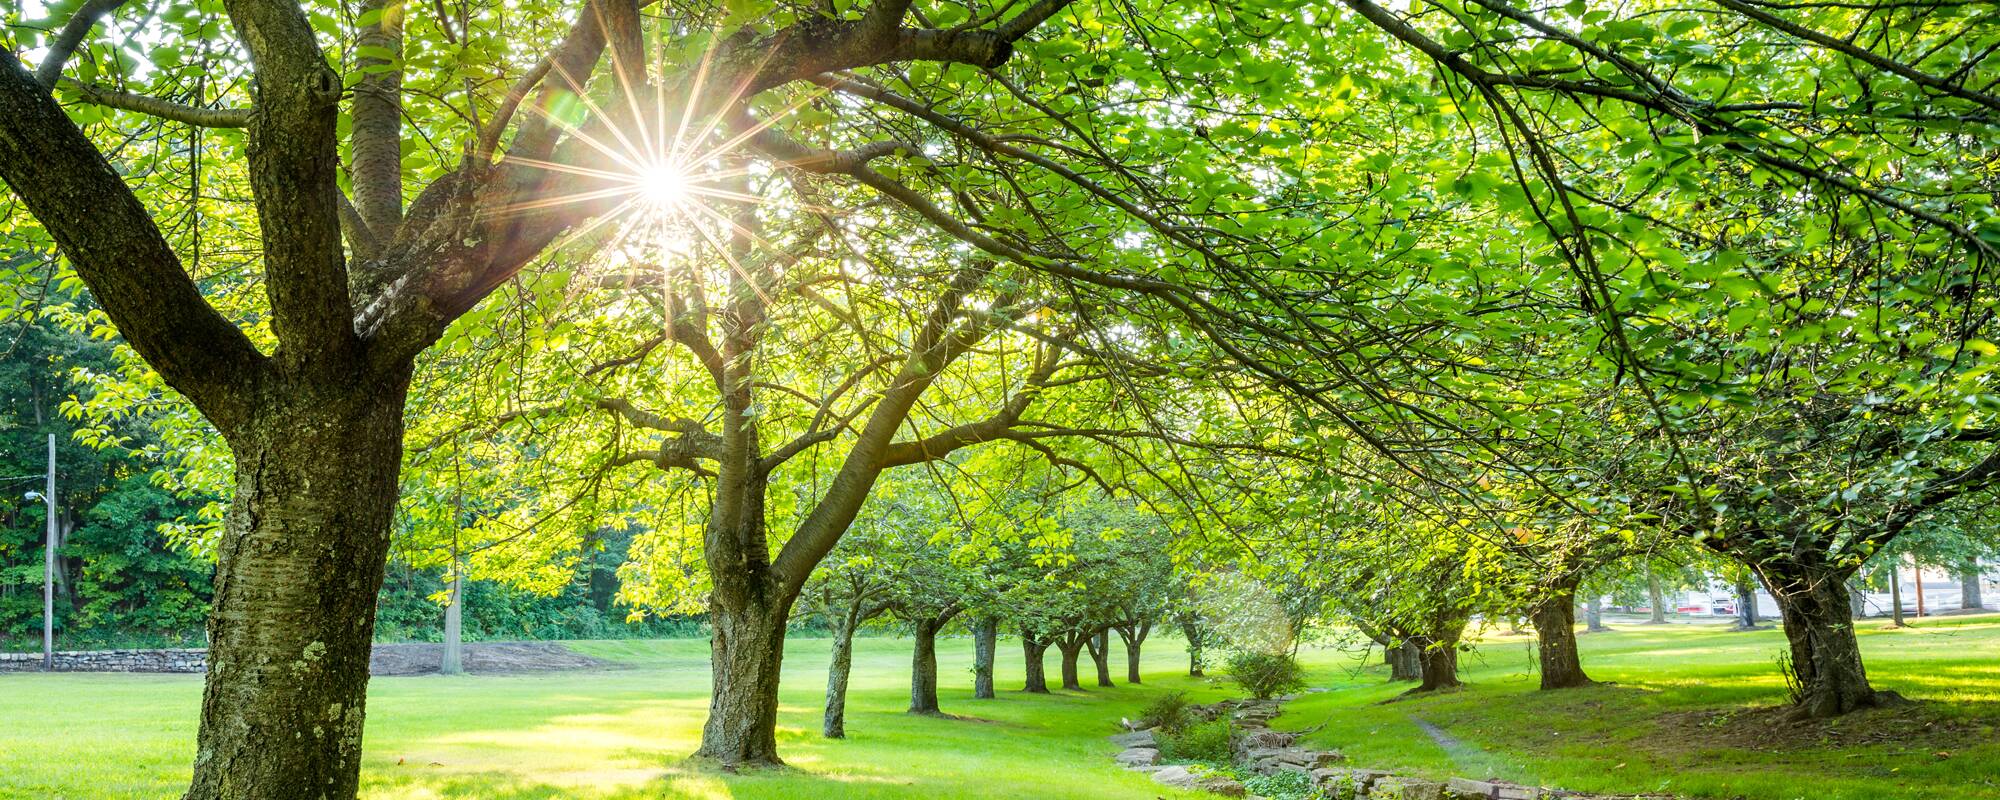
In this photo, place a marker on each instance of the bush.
(1284, 785)
(1204, 741)
(1168, 712)
(1265, 675)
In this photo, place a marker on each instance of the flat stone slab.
(1399, 788)
(1468, 789)
(1138, 757)
(1134, 739)
(1176, 776)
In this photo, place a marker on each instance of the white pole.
(49, 567)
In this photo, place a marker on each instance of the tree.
(850, 588)
(314, 421)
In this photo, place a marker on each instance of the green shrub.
(1265, 675)
(1202, 741)
(1284, 785)
(1168, 712)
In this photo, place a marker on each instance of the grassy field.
(1687, 714)
(1692, 710)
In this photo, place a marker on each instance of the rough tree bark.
(299, 566)
(985, 635)
(1134, 635)
(923, 662)
(1657, 599)
(1100, 654)
(1746, 603)
(1405, 662)
(746, 652)
(1071, 647)
(1819, 627)
(1554, 618)
(1437, 654)
(1035, 650)
(833, 723)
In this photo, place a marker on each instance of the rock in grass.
(1138, 757)
(1467, 789)
(1176, 776)
(1396, 788)
(1135, 739)
(1220, 784)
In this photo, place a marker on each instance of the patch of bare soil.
(1915, 726)
(485, 658)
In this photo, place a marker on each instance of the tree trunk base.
(739, 766)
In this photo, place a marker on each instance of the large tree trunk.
(1134, 637)
(745, 653)
(1035, 652)
(1657, 599)
(1100, 654)
(1593, 615)
(1405, 662)
(1071, 647)
(985, 635)
(1554, 618)
(833, 724)
(1825, 656)
(1438, 661)
(298, 569)
(1968, 585)
(923, 669)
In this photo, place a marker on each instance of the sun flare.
(662, 186)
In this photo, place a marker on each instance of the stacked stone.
(183, 659)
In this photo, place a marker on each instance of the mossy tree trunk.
(1554, 618)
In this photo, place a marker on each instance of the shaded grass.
(1692, 710)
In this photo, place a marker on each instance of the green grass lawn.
(614, 733)
(1691, 710)
(1687, 714)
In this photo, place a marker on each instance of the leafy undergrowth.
(1694, 710)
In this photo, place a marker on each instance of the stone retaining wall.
(184, 659)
